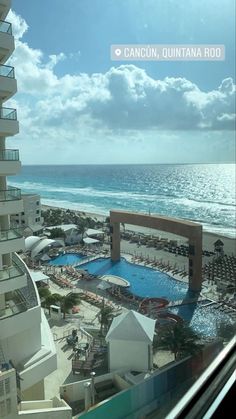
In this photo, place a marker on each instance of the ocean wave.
(124, 195)
(87, 208)
(221, 230)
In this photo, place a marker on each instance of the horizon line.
(124, 164)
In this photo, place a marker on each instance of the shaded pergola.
(190, 230)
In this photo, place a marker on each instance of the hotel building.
(27, 350)
(30, 219)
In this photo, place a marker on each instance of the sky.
(76, 106)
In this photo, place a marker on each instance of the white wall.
(12, 327)
(30, 345)
(128, 355)
(61, 413)
(45, 409)
(45, 361)
(17, 324)
(75, 391)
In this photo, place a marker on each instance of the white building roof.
(131, 326)
(35, 227)
(38, 276)
(31, 241)
(89, 240)
(93, 232)
(64, 227)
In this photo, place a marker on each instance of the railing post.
(92, 374)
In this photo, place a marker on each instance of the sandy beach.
(208, 237)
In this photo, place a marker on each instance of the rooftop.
(131, 326)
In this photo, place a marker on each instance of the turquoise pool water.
(66, 259)
(204, 320)
(148, 282)
(144, 282)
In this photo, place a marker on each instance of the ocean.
(198, 192)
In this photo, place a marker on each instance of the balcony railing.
(10, 234)
(7, 71)
(23, 299)
(27, 293)
(8, 113)
(9, 155)
(10, 272)
(13, 305)
(10, 194)
(5, 27)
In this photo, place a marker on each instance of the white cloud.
(19, 25)
(124, 100)
(54, 59)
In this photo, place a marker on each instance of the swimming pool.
(67, 259)
(148, 282)
(144, 282)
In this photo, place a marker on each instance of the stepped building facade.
(26, 342)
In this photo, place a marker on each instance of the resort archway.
(192, 231)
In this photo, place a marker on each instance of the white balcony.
(17, 318)
(8, 86)
(5, 6)
(9, 162)
(26, 337)
(7, 44)
(22, 307)
(43, 362)
(12, 278)
(10, 201)
(8, 168)
(8, 122)
(20, 332)
(11, 241)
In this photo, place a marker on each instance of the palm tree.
(105, 317)
(67, 302)
(180, 339)
(44, 293)
(48, 299)
(57, 233)
(81, 227)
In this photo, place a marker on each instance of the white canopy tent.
(44, 244)
(132, 326)
(130, 340)
(31, 241)
(89, 240)
(92, 232)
